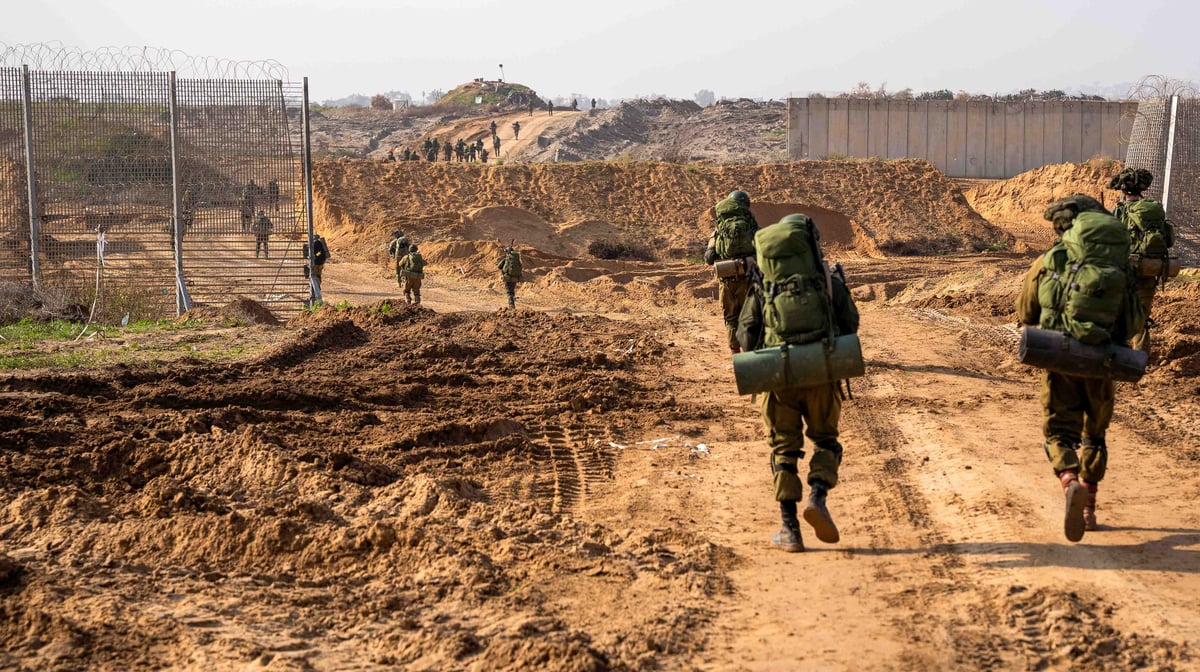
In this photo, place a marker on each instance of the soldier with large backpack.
(397, 249)
(510, 273)
(1151, 237)
(801, 301)
(1083, 289)
(412, 266)
(730, 251)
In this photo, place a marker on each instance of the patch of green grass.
(37, 360)
(342, 305)
(384, 308)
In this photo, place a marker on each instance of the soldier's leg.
(733, 294)
(510, 288)
(1145, 292)
(399, 275)
(824, 409)
(1063, 406)
(416, 290)
(784, 425)
(1099, 394)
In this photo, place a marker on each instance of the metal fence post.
(183, 302)
(308, 194)
(35, 267)
(1166, 197)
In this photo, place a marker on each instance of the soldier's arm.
(710, 252)
(750, 320)
(844, 310)
(1029, 310)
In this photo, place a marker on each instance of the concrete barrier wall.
(962, 138)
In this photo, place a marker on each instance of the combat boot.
(1089, 509)
(1076, 497)
(788, 537)
(816, 515)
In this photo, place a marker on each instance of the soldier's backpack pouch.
(1056, 351)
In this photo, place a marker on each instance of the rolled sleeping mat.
(807, 365)
(1155, 267)
(1053, 350)
(734, 268)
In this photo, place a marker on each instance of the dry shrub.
(610, 249)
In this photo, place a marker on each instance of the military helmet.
(412, 248)
(1062, 212)
(740, 196)
(397, 233)
(796, 218)
(1132, 180)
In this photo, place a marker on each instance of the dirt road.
(575, 485)
(952, 554)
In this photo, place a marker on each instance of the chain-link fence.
(1166, 141)
(125, 164)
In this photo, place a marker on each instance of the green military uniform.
(398, 248)
(793, 413)
(262, 234)
(733, 290)
(412, 266)
(510, 273)
(1076, 411)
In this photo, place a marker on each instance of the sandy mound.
(884, 207)
(1016, 204)
(241, 310)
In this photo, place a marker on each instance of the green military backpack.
(510, 266)
(735, 230)
(1150, 234)
(1087, 286)
(797, 303)
(416, 263)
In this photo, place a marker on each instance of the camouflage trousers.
(1075, 416)
(1145, 292)
(733, 294)
(412, 288)
(399, 275)
(316, 271)
(785, 416)
(510, 289)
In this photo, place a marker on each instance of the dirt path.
(951, 553)
(511, 148)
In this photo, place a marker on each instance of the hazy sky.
(629, 48)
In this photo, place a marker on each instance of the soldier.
(447, 150)
(412, 268)
(574, 104)
(391, 155)
(493, 127)
(460, 150)
(517, 130)
(791, 413)
(1151, 236)
(510, 273)
(273, 193)
(531, 106)
(262, 234)
(1076, 411)
(593, 105)
(320, 254)
(733, 240)
(483, 155)
(471, 149)
(248, 205)
(496, 145)
(549, 108)
(398, 248)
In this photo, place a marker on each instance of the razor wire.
(110, 162)
(55, 56)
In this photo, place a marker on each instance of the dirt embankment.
(1016, 204)
(883, 207)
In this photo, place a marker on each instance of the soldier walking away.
(575, 104)
(496, 145)
(412, 266)
(493, 127)
(1076, 411)
(593, 106)
(262, 234)
(316, 264)
(447, 150)
(471, 149)
(1151, 237)
(517, 129)
(549, 108)
(397, 249)
(732, 241)
(460, 150)
(531, 106)
(810, 303)
(248, 205)
(510, 273)
(273, 194)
